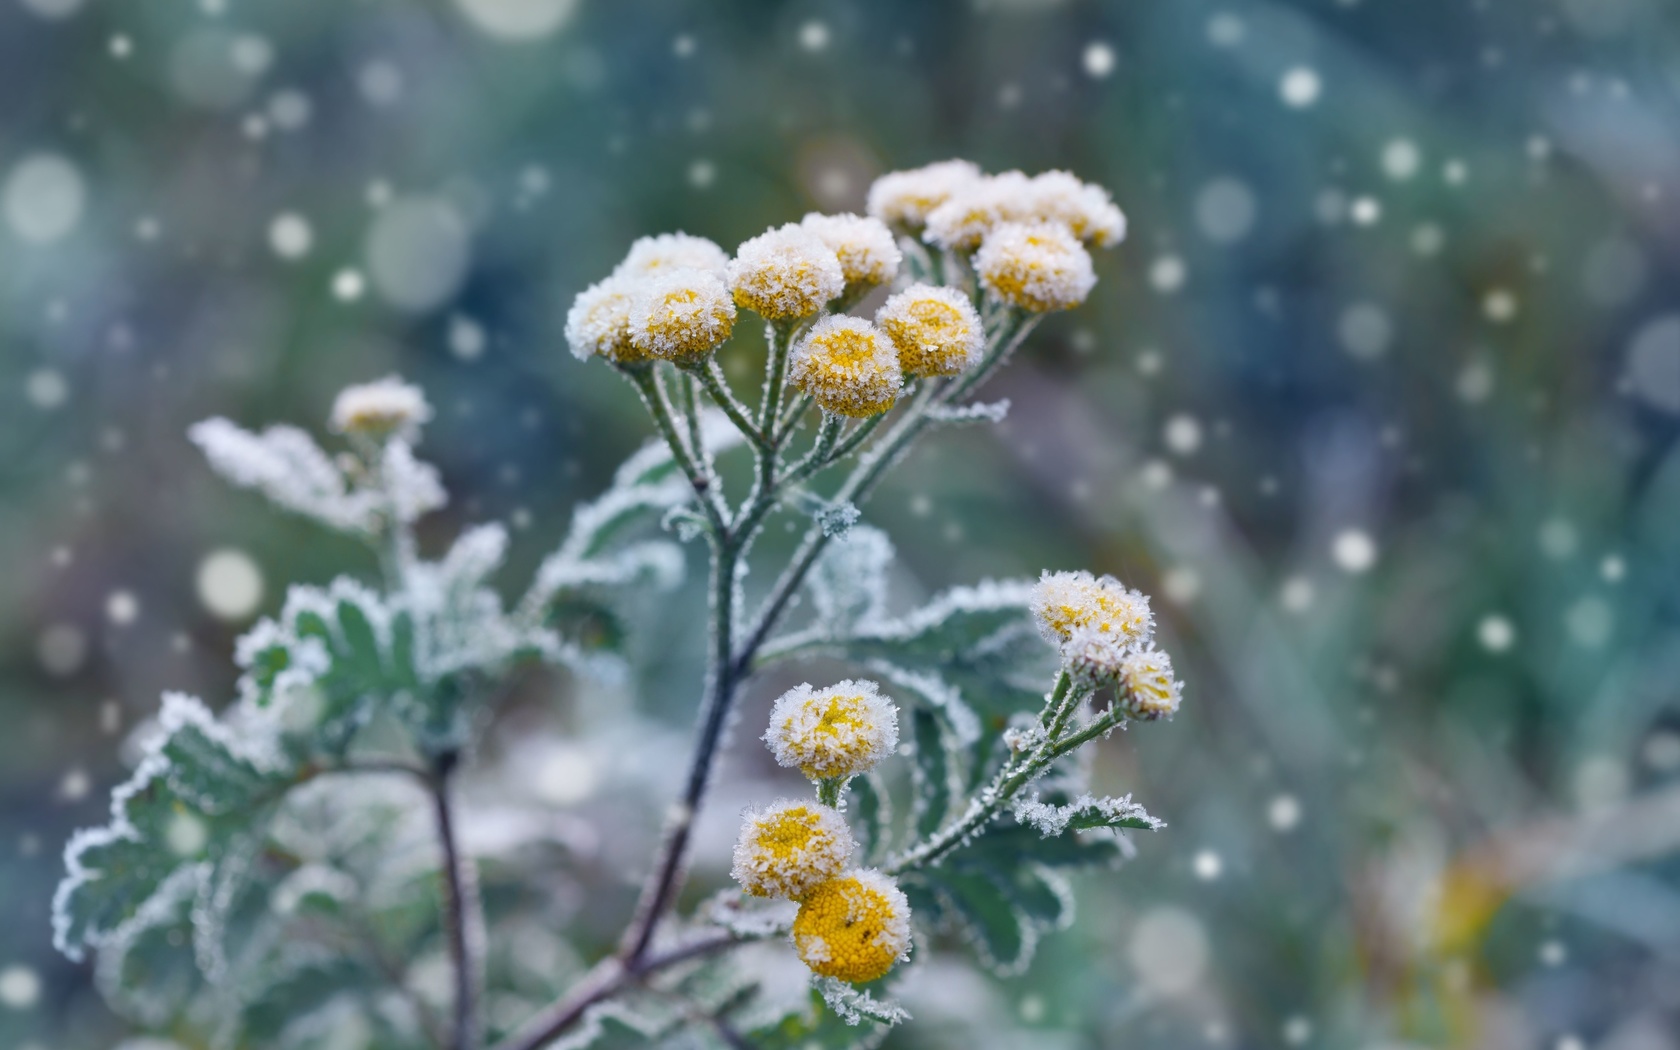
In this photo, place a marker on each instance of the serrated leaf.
(816, 1028)
(618, 1026)
(931, 772)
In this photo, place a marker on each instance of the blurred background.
(1380, 400)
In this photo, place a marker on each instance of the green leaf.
(195, 797)
(1003, 934)
(816, 1028)
(932, 772)
(871, 820)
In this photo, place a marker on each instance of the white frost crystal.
(598, 324)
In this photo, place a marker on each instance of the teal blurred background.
(1380, 400)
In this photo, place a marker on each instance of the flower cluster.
(852, 924)
(1026, 235)
(1105, 633)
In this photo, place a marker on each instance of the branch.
(459, 887)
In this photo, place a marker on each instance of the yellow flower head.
(599, 322)
(1149, 690)
(788, 848)
(835, 732)
(1069, 603)
(680, 314)
(848, 365)
(380, 409)
(659, 254)
(867, 250)
(936, 330)
(786, 272)
(1085, 209)
(854, 927)
(904, 198)
(1038, 266)
(978, 208)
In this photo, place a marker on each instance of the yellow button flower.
(665, 252)
(1066, 603)
(788, 848)
(1038, 266)
(904, 198)
(598, 324)
(380, 409)
(840, 731)
(680, 314)
(854, 927)
(937, 330)
(785, 273)
(848, 366)
(1149, 689)
(867, 250)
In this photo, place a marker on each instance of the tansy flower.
(1148, 688)
(679, 314)
(1095, 657)
(835, 732)
(1037, 266)
(1067, 602)
(599, 322)
(788, 848)
(786, 272)
(380, 409)
(848, 365)
(936, 330)
(671, 251)
(974, 211)
(867, 250)
(1085, 209)
(904, 198)
(854, 927)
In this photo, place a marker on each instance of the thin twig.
(458, 884)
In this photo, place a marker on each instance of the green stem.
(712, 378)
(775, 372)
(653, 395)
(829, 790)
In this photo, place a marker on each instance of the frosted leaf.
(749, 918)
(410, 487)
(854, 1005)
(1085, 812)
(937, 693)
(286, 465)
(458, 621)
(849, 582)
(836, 519)
(976, 412)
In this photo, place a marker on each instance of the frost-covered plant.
(242, 895)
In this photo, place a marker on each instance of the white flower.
(663, 252)
(1036, 266)
(788, 848)
(785, 272)
(835, 732)
(681, 313)
(380, 409)
(904, 198)
(848, 366)
(964, 220)
(599, 322)
(937, 330)
(867, 250)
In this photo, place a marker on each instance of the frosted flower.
(1094, 656)
(785, 272)
(788, 848)
(1070, 603)
(599, 322)
(671, 251)
(848, 365)
(835, 732)
(1148, 688)
(905, 198)
(936, 330)
(853, 928)
(679, 314)
(1085, 209)
(867, 250)
(962, 222)
(380, 409)
(1037, 266)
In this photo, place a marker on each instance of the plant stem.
(712, 378)
(459, 888)
(653, 395)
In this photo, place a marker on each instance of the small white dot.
(348, 285)
(230, 584)
(813, 35)
(20, 988)
(1167, 274)
(1300, 87)
(701, 174)
(1354, 551)
(1284, 813)
(290, 236)
(1099, 59)
(122, 608)
(46, 388)
(1297, 1030)
(1183, 434)
(1401, 159)
(1208, 866)
(75, 785)
(1552, 953)
(1496, 634)
(1365, 211)
(1613, 568)
(1499, 306)
(1296, 595)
